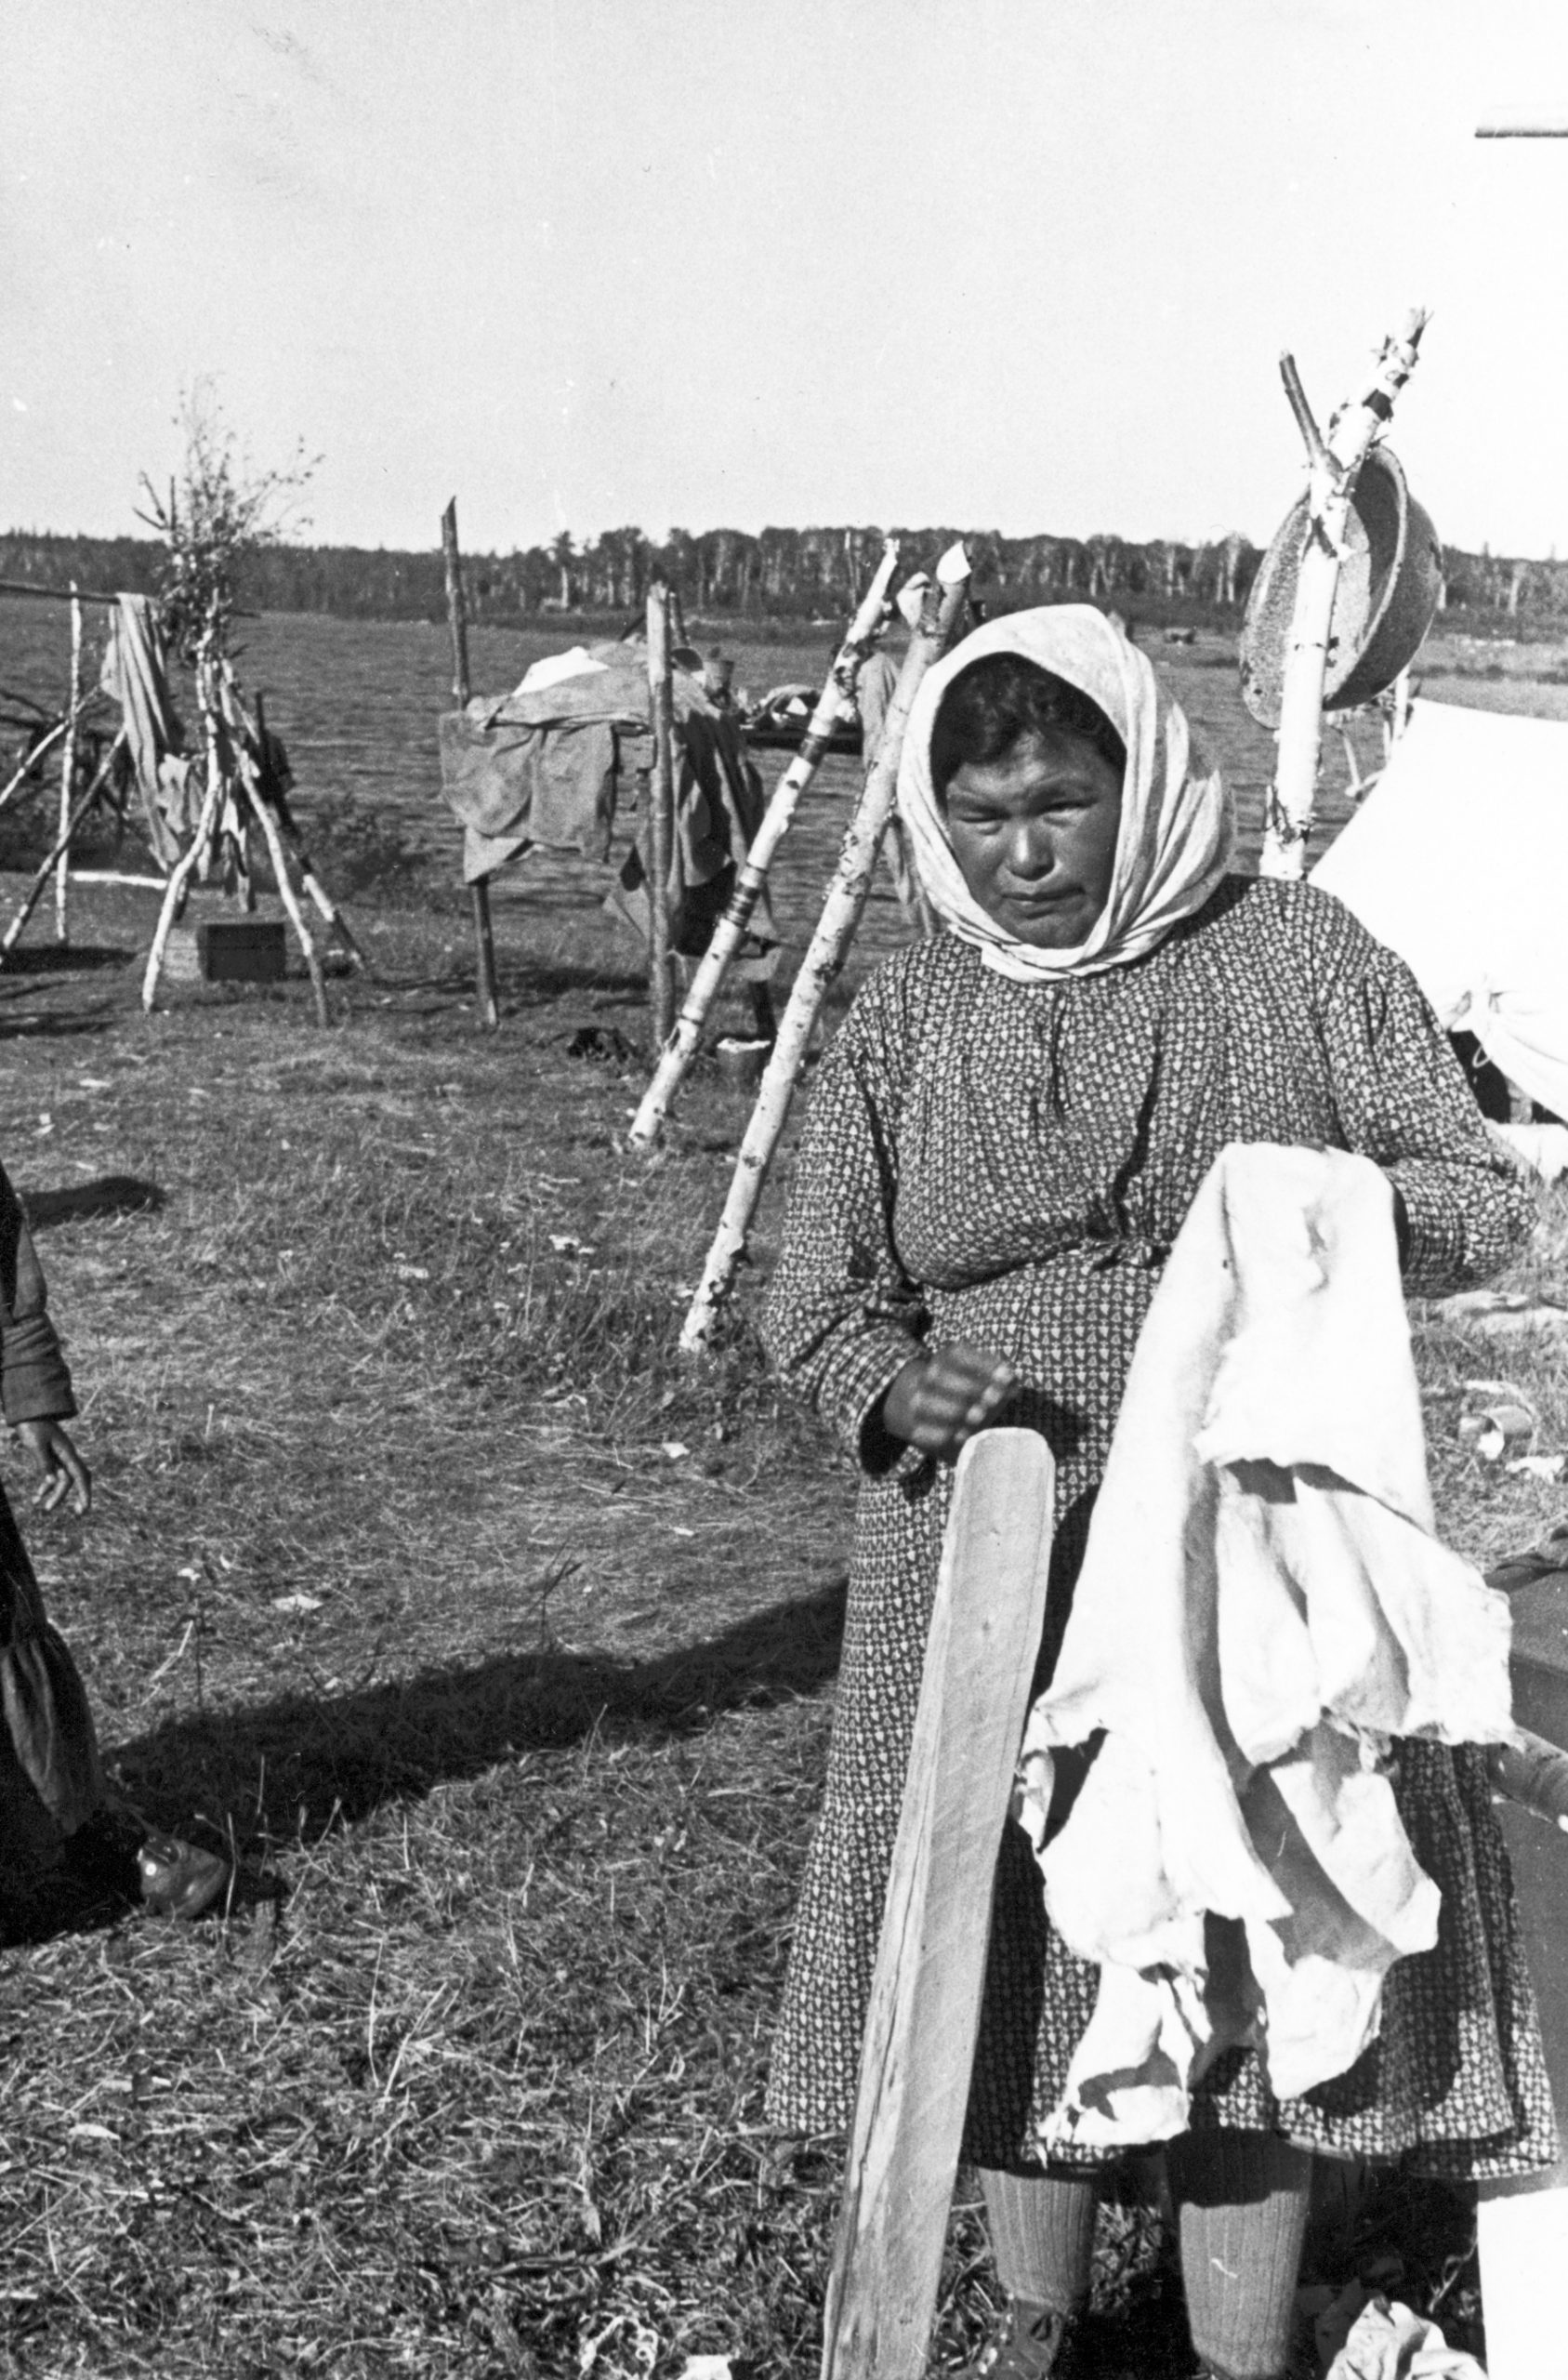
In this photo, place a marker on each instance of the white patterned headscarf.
(1176, 837)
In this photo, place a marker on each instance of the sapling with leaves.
(221, 510)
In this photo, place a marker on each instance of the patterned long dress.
(50, 1778)
(1009, 1164)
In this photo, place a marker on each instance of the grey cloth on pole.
(134, 675)
(512, 785)
(543, 766)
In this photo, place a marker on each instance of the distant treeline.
(783, 573)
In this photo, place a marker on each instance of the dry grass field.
(496, 1646)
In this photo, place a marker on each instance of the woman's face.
(1034, 835)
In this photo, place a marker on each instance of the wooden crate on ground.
(241, 950)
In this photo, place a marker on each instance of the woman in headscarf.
(1002, 1144)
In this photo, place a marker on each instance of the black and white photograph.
(783, 1207)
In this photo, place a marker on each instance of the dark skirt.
(51, 1781)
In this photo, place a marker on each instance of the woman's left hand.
(61, 1468)
(944, 1394)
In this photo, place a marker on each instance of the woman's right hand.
(944, 1394)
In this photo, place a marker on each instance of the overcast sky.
(1023, 264)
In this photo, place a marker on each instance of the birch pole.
(68, 768)
(309, 881)
(175, 890)
(841, 913)
(1333, 466)
(36, 759)
(478, 892)
(72, 820)
(268, 824)
(834, 704)
(660, 813)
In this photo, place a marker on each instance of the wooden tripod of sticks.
(238, 797)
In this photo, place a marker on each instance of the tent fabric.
(1457, 860)
(1262, 1608)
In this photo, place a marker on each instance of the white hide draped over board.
(1262, 1606)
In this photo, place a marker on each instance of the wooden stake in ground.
(834, 704)
(841, 913)
(68, 768)
(1333, 466)
(479, 891)
(919, 2050)
(661, 814)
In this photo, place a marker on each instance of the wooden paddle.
(930, 1963)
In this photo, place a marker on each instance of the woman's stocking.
(1041, 2235)
(1240, 2200)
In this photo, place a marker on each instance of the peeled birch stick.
(68, 768)
(286, 893)
(833, 705)
(327, 908)
(174, 891)
(39, 753)
(310, 882)
(841, 913)
(118, 875)
(73, 819)
(1333, 466)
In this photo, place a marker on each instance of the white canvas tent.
(1458, 861)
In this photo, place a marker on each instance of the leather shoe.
(178, 1878)
(1036, 2343)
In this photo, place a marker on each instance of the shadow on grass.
(112, 1193)
(76, 1025)
(299, 1765)
(525, 983)
(65, 957)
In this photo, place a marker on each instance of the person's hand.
(943, 1396)
(58, 1465)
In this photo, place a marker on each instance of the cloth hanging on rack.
(544, 766)
(134, 675)
(514, 785)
